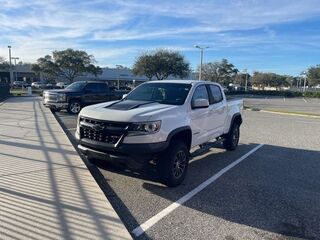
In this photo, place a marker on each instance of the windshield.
(77, 86)
(166, 93)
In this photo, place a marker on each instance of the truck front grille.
(51, 97)
(102, 131)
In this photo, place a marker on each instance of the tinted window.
(200, 93)
(216, 94)
(77, 86)
(96, 87)
(166, 93)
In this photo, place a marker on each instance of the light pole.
(246, 86)
(118, 80)
(304, 73)
(15, 66)
(9, 48)
(201, 59)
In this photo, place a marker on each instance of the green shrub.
(312, 94)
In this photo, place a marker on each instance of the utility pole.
(15, 67)
(246, 86)
(201, 59)
(9, 47)
(305, 81)
(118, 80)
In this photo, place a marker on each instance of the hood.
(59, 91)
(127, 111)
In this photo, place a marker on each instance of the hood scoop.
(128, 104)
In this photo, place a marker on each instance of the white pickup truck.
(159, 122)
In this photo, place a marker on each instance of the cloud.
(118, 30)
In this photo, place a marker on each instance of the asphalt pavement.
(272, 194)
(299, 105)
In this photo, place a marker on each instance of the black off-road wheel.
(232, 138)
(173, 164)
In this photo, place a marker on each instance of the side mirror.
(200, 103)
(124, 96)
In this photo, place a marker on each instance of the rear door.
(96, 93)
(217, 111)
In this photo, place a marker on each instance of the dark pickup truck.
(80, 94)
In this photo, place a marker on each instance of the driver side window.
(200, 93)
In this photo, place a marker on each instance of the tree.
(241, 79)
(313, 75)
(68, 63)
(161, 64)
(222, 72)
(4, 66)
(269, 79)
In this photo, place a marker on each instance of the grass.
(24, 92)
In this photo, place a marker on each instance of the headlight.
(61, 97)
(144, 128)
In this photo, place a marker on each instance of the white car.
(160, 121)
(62, 84)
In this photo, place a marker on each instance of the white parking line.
(304, 100)
(284, 99)
(149, 223)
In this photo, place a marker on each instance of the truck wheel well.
(237, 119)
(183, 136)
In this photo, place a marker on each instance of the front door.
(199, 117)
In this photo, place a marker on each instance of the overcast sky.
(281, 36)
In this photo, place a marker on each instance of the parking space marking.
(153, 220)
(304, 100)
(284, 99)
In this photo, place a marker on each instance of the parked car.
(34, 84)
(160, 121)
(79, 94)
(19, 84)
(62, 85)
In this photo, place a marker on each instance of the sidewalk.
(46, 191)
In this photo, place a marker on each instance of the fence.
(4, 91)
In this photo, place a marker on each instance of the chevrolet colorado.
(160, 121)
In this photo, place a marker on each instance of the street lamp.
(9, 48)
(246, 86)
(118, 81)
(304, 73)
(201, 58)
(15, 66)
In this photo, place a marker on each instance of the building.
(122, 76)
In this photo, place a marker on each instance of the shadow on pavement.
(276, 189)
(51, 197)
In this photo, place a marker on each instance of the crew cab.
(159, 122)
(78, 95)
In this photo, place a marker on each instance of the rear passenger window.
(216, 94)
(96, 87)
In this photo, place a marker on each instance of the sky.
(281, 36)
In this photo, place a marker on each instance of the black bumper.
(133, 155)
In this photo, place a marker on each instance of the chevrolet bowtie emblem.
(97, 127)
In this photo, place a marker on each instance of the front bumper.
(55, 105)
(132, 155)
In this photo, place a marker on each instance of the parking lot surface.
(300, 105)
(272, 194)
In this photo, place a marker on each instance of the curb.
(282, 113)
(96, 175)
